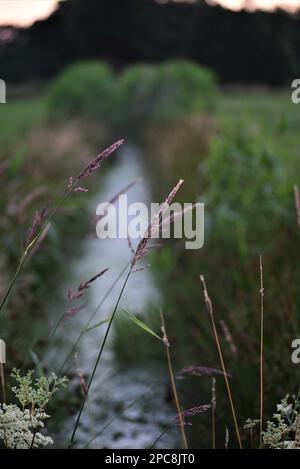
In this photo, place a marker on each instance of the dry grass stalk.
(87, 284)
(155, 225)
(2, 379)
(84, 286)
(174, 390)
(213, 412)
(209, 307)
(261, 348)
(297, 203)
(201, 371)
(96, 162)
(2, 374)
(193, 412)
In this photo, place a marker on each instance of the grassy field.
(18, 118)
(240, 158)
(242, 161)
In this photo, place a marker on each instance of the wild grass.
(171, 373)
(262, 292)
(73, 186)
(139, 253)
(246, 174)
(216, 336)
(244, 169)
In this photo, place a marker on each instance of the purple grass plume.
(200, 371)
(155, 225)
(96, 163)
(192, 413)
(84, 286)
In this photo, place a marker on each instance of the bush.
(161, 93)
(83, 90)
(141, 96)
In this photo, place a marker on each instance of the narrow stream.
(128, 407)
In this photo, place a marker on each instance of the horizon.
(26, 12)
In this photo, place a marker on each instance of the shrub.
(83, 90)
(162, 93)
(142, 95)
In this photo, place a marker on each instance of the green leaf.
(104, 321)
(142, 325)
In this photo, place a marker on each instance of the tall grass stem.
(171, 373)
(261, 349)
(211, 313)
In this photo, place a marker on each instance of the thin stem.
(99, 356)
(211, 313)
(33, 438)
(261, 348)
(171, 373)
(2, 379)
(159, 438)
(213, 426)
(213, 413)
(297, 204)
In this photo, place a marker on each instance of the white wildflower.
(285, 410)
(18, 428)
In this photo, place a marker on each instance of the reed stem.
(213, 413)
(211, 313)
(2, 379)
(171, 373)
(261, 348)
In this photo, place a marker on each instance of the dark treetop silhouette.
(240, 47)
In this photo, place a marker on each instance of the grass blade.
(104, 321)
(142, 325)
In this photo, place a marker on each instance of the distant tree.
(240, 47)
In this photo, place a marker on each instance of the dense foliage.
(142, 94)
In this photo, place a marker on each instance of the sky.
(25, 12)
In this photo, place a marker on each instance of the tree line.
(240, 47)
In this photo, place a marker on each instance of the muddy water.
(126, 409)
